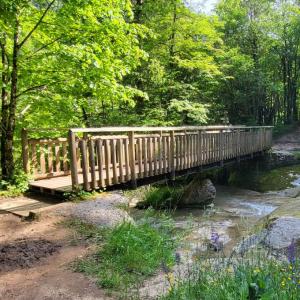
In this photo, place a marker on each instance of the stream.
(239, 210)
(251, 195)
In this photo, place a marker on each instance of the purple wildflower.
(214, 238)
(215, 242)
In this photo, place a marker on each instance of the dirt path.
(39, 268)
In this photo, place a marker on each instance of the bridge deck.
(98, 158)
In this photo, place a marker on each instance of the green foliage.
(16, 187)
(80, 195)
(268, 280)
(161, 197)
(130, 252)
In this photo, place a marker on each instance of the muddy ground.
(35, 260)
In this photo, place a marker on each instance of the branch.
(43, 47)
(37, 87)
(36, 25)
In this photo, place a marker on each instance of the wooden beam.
(132, 159)
(73, 159)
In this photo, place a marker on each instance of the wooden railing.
(100, 157)
(45, 157)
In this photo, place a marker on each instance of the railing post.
(223, 150)
(25, 151)
(251, 142)
(172, 152)
(199, 149)
(238, 144)
(132, 159)
(73, 159)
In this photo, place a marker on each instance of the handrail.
(171, 128)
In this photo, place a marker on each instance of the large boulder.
(198, 193)
(283, 232)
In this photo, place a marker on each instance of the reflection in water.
(260, 178)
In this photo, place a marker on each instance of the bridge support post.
(132, 159)
(73, 162)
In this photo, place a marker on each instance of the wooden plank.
(132, 158)
(114, 161)
(107, 162)
(127, 166)
(140, 157)
(42, 159)
(99, 144)
(121, 159)
(181, 138)
(172, 155)
(155, 155)
(160, 153)
(65, 156)
(91, 146)
(164, 144)
(177, 145)
(168, 143)
(188, 150)
(150, 156)
(50, 158)
(158, 129)
(57, 157)
(85, 167)
(184, 151)
(200, 148)
(145, 154)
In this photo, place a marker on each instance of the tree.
(63, 53)
(182, 69)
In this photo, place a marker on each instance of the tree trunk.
(9, 112)
(4, 102)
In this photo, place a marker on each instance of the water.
(262, 179)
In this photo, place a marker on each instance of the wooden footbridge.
(95, 158)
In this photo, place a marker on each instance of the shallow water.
(234, 213)
(260, 178)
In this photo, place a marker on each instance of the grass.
(246, 281)
(128, 253)
(161, 197)
(81, 195)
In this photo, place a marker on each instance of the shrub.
(17, 186)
